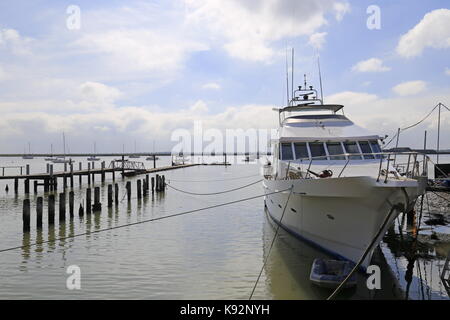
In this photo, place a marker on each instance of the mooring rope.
(141, 222)
(366, 252)
(213, 193)
(271, 244)
(218, 180)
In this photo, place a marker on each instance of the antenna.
(292, 71)
(287, 81)
(320, 77)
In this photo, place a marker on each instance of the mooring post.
(26, 215)
(51, 209)
(39, 208)
(128, 186)
(163, 183)
(89, 176)
(62, 206)
(55, 183)
(35, 186)
(146, 184)
(46, 186)
(28, 170)
(139, 190)
(65, 167)
(153, 184)
(93, 175)
(88, 200)
(157, 183)
(16, 185)
(80, 179)
(64, 181)
(123, 167)
(71, 175)
(48, 167)
(103, 171)
(110, 195)
(154, 161)
(116, 193)
(97, 205)
(71, 200)
(113, 171)
(52, 186)
(27, 186)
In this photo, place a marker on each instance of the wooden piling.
(89, 178)
(46, 185)
(80, 179)
(39, 208)
(128, 186)
(110, 196)
(27, 186)
(35, 186)
(114, 171)
(116, 193)
(51, 209)
(81, 211)
(16, 185)
(154, 161)
(163, 183)
(62, 206)
(103, 171)
(88, 200)
(153, 184)
(27, 169)
(157, 187)
(147, 184)
(123, 167)
(71, 175)
(97, 205)
(26, 215)
(71, 204)
(48, 167)
(139, 190)
(64, 181)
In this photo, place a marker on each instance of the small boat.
(63, 159)
(93, 157)
(152, 158)
(134, 156)
(331, 273)
(51, 158)
(28, 156)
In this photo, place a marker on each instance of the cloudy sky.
(130, 71)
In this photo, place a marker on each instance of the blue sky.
(137, 70)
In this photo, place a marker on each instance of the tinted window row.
(356, 150)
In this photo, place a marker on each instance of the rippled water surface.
(210, 254)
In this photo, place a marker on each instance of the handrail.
(383, 156)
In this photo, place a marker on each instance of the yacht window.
(286, 151)
(317, 151)
(352, 147)
(365, 148)
(335, 148)
(301, 151)
(375, 148)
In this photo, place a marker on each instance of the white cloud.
(212, 86)
(249, 28)
(99, 92)
(410, 88)
(12, 40)
(432, 31)
(139, 50)
(317, 40)
(370, 65)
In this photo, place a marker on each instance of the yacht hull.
(339, 215)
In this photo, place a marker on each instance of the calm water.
(213, 254)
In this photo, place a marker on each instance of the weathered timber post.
(71, 205)
(154, 161)
(110, 196)
(80, 179)
(128, 186)
(88, 200)
(116, 193)
(139, 190)
(89, 177)
(113, 171)
(35, 186)
(81, 211)
(26, 215)
(103, 171)
(157, 183)
(71, 175)
(46, 185)
(27, 186)
(48, 167)
(97, 205)
(51, 209)
(39, 208)
(163, 183)
(16, 185)
(123, 167)
(28, 170)
(153, 184)
(62, 206)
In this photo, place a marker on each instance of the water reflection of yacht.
(343, 186)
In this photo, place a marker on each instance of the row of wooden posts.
(51, 183)
(143, 188)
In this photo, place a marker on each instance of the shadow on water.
(289, 265)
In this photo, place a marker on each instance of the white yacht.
(339, 185)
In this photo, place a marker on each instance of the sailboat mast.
(64, 145)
